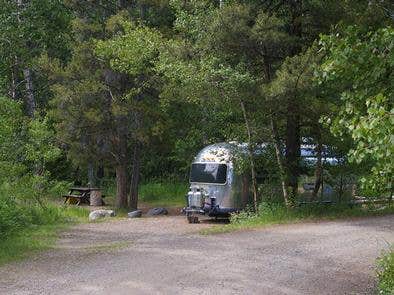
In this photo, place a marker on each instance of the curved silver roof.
(224, 152)
(220, 152)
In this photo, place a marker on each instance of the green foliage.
(169, 77)
(361, 66)
(26, 148)
(27, 229)
(41, 148)
(11, 141)
(386, 273)
(12, 217)
(16, 216)
(134, 51)
(28, 30)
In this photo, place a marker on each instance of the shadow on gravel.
(215, 221)
(384, 222)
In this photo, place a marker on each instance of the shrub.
(12, 217)
(16, 216)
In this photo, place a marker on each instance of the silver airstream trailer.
(216, 188)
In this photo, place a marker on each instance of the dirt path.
(167, 256)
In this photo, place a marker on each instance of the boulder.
(157, 211)
(97, 214)
(134, 214)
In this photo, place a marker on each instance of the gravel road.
(167, 256)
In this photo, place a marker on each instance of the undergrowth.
(386, 273)
(155, 194)
(27, 228)
(163, 193)
(276, 213)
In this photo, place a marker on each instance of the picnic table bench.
(78, 195)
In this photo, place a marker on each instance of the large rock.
(134, 214)
(97, 214)
(157, 211)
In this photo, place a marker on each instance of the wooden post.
(96, 198)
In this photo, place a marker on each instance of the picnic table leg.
(85, 198)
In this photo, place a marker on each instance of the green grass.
(154, 194)
(32, 238)
(278, 214)
(112, 246)
(386, 273)
(163, 194)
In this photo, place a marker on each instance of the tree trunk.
(91, 178)
(279, 159)
(13, 83)
(135, 177)
(251, 156)
(122, 4)
(319, 167)
(340, 193)
(121, 166)
(276, 140)
(121, 186)
(142, 10)
(29, 99)
(100, 174)
(293, 146)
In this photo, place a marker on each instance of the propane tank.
(194, 198)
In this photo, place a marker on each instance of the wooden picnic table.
(78, 195)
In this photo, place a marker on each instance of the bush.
(386, 273)
(12, 217)
(16, 216)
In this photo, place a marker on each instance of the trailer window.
(208, 173)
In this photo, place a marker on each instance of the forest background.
(122, 93)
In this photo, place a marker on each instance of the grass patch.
(155, 194)
(278, 214)
(386, 273)
(107, 247)
(162, 194)
(31, 238)
(26, 242)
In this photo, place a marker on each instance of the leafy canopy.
(361, 65)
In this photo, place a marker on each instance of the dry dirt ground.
(165, 255)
